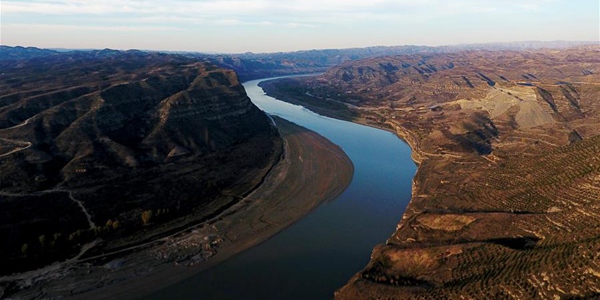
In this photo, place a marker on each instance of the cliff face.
(125, 132)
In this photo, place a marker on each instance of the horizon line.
(579, 42)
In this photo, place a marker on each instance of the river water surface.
(321, 252)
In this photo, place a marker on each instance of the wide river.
(321, 252)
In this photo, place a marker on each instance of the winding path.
(26, 144)
(80, 204)
(23, 145)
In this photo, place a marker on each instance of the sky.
(237, 26)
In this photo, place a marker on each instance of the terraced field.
(545, 243)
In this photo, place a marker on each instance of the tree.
(57, 240)
(25, 249)
(146, 216)
(42, 239)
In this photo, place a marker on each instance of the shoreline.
(417, 155)
(309, 163)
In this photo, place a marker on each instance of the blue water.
(321, 252)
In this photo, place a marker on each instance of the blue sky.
(286, 25)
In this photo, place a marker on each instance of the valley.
(158, 166)
(263, 149)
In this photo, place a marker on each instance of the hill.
(110, 144)
(20, 53)
(505, 200)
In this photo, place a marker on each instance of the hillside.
(110, 144)
(505, 201)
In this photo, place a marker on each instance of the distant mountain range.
(260, 65)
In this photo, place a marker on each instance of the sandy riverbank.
(312, 171)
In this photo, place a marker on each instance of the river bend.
(321, 252)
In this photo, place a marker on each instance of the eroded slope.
(105, 144)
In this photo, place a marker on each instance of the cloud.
(62, 28)
(298, 22)
(290, 14)
(304, 13)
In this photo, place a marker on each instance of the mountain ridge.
(118, 135)
(250, 66)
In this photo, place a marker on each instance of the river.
(321, 252)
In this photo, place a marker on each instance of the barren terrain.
(505, 201)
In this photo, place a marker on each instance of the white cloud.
(295, 22)
(225, 9)
(62, 28)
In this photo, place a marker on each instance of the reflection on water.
(320, 253)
